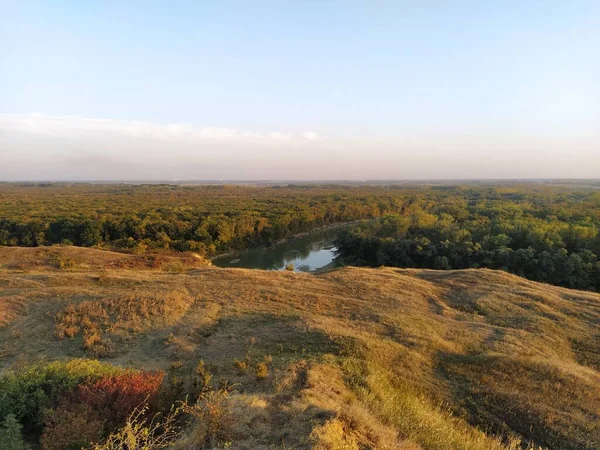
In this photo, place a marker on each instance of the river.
(306, 253)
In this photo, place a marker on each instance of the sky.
(299, 90)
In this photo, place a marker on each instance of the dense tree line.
(206, 219)
(548, 235)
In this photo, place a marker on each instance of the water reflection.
(306, 253)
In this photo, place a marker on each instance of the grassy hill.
(349, 359)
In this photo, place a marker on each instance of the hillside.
(358, 358)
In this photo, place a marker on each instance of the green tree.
(91, 234)
(11, 437)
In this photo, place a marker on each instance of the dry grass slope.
(118, 315)
(353, 358)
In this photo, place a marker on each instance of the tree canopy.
(548, 235)
(543, 232)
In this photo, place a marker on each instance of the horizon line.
(290, 180)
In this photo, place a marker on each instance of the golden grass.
(59, 257)
(94, 319)
(334, 435)
(11, 306)
(374, 358)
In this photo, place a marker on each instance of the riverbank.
(306, 252)
(285, 240)
(328, 268)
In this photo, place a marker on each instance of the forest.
(543, 232)
(205, 219)
(548, 235)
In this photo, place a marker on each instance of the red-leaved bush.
(115, 397)
(92, 411)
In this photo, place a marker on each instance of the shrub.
(203, 377)
(173, 388)
(91, 339)
(63, 263)
(10, 435)
(141, 432)
(91, 411)
(212, 419)
(262, 371)
(140, 248)
(241, 366)
(28, 391)
(97, 346)
(72, 427)
(115, 397)
(173, 266)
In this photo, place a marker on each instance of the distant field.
(354, 358)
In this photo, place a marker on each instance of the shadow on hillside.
(504, 395)
(284, 337)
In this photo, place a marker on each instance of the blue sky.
(398, 89)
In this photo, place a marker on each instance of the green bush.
(10, 435)
(75, 404)
(27, 392)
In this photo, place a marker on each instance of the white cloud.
(77, 126)
(280, 137)
(35, 146)
(310, 135)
